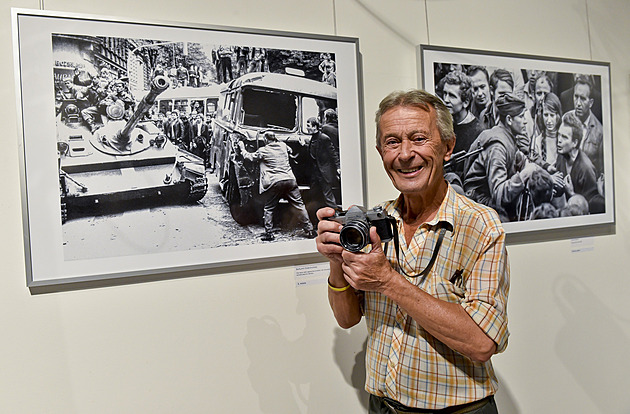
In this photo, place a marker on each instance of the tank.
(123, 165)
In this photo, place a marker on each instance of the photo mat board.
(581, 91)
(109, 191)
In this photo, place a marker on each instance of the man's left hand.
(369, 271)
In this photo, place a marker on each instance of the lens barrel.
(354, 236)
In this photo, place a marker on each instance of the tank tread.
(198, 188)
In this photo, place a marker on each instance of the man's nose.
(406, 148)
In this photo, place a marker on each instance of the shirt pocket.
(446, 290)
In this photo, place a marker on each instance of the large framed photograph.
(152, 148)
(533, 134)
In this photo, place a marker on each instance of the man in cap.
(498, 174)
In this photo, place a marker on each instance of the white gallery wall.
(250, 341)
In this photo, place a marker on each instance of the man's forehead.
(583, 89)
(503, 85)
(479, 77)
(457, 88)
(406, 111)
(565, 130)
(403, 115)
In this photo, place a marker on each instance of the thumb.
(375, 239)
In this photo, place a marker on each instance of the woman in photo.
(548, 119)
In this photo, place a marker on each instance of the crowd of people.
(189, 131)
(92, 96)
(238, 60)
(528, 143)
(181, 75)
(95, 97)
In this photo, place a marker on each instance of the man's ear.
(450, 146)
(467, 103)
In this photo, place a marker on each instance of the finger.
(325, 212)
(327, 226)
(375, 239)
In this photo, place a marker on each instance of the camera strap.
(444, 226)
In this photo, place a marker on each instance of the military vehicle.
(123, 164)
(248, 107)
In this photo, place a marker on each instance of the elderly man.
(497, 175)
(435, 315)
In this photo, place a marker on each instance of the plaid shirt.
(406, 363)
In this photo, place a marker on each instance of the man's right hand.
(328, 235)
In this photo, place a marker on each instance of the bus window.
(197, 106)
(211, 106)
(182, 105)
(310, 109)
(227, 107)
(269, 109)
(165, 106)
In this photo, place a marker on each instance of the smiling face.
(412, 150)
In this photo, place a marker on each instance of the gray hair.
(420, 99)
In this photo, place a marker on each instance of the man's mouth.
(409, 170)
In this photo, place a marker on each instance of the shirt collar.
(445, 214)
(589, 118)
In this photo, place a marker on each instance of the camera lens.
(354, 236)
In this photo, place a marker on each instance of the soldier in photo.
(497, 175)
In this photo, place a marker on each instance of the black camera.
(355, 233)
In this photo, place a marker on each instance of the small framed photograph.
(150, 148)
(533, 134)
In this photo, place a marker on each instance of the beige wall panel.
(389, 33)
(537, 27)
(297, 16)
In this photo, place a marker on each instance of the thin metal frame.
(428, 55)
(58, 274)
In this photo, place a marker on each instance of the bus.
(248, 107)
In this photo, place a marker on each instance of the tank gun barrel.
(158, 85)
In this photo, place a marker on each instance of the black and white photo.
(533, 134)
(179, 147)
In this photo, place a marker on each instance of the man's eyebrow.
(395, 134)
